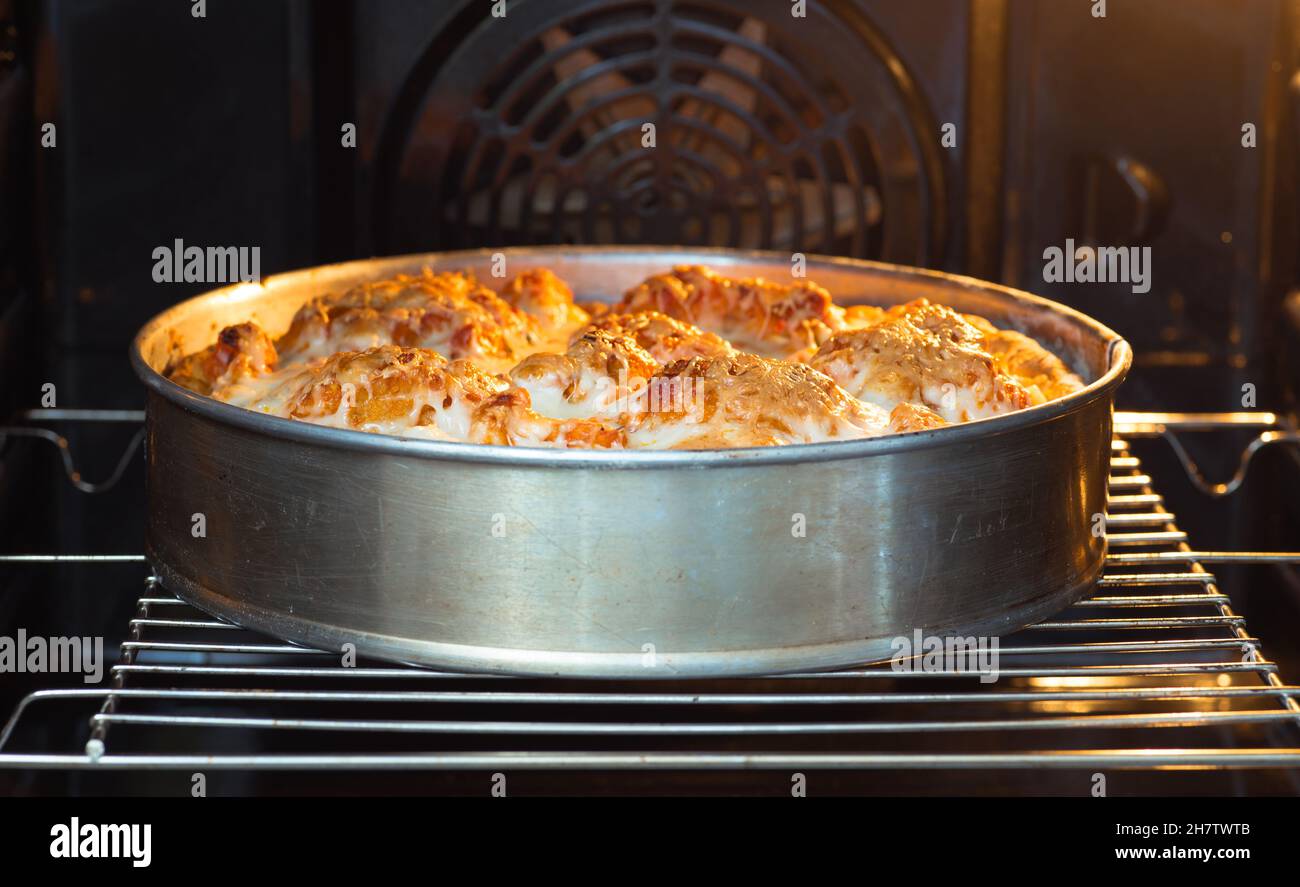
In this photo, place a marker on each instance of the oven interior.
(967, 136)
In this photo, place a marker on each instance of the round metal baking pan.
(627, 563)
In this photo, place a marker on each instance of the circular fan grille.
(731, 124)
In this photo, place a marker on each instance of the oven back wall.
(1129, 131)
(168, 127)
(817, 133)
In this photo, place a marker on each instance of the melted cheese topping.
(601, 374)
(450, 313)
(686, 360)
(743, 400)
(930, 355)
(756, 315)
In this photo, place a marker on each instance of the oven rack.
(1271, 429)
(1154, 672)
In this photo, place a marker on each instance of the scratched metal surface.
(633, 564)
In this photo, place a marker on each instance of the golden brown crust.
(1043, 374)
(914, 417)
(392, 389)
(599, 374)
(926, 354)
(241, 351)
(449, 312)
(858, 316)
(665, 338)
(539, 293)
(743, 400)
(767, 318)
(441, 356)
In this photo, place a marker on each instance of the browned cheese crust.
(689, 359)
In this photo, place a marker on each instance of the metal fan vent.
(721, 123)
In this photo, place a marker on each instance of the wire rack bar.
(1111, 759)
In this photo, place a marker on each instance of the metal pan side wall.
(624, 572)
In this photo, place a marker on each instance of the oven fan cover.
(726, 123)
